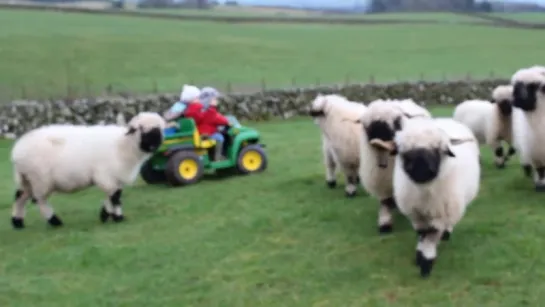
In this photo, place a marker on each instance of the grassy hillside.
(42, 52)
(280, 238)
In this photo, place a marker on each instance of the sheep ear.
(394, 151)
(131, 130)
(449, 153)
(460, 141)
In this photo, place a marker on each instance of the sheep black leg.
(512, 151)
(115, 199)
(540, 186)
(17, 220)
(426, 250)
(330, 168)
(445, 236)
(104, 215)
(385, 215)
(351, 186)
(527, 169)
(500, 160)
(55, 221)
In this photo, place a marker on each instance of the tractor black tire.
(150, 175)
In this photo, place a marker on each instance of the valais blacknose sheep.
(69, 158)
(436, 175)
(529, 97)
(380, 122)
(340, 137)
(491, 121)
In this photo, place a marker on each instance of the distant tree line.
(382, 6)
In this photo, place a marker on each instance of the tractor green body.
(183, 140)
(186, 155)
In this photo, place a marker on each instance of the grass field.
(43, 57)
(255, 11)
(280, 238)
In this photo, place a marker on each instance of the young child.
(208, 119)
(189, 94)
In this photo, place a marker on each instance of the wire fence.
(89, 89)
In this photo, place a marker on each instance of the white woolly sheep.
(490, 121)
(340, 138)
(380, 122)
(529, 97)
(436, 176)
(69, 158)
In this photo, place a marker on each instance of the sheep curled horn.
(389, 146)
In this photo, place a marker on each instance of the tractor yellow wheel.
(184, 167)
(188, 169)
(251, 159)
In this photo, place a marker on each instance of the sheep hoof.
(350, 194)
(384, 229)
(331, 184)
(17, 223)
(445, 236)
(418, 259)
(426, 266)
(527, 170)
(104, 215)
(54, 221)
(540, 188)
(500, 165)
(118, 218)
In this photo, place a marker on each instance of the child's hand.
(214, 102)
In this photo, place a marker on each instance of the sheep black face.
(505, 106)
(422, 165)
(525, 96)
(151, 140)
(379, 134)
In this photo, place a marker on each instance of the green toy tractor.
(184, 157)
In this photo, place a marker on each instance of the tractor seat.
(207, 142)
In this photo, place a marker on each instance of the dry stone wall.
(18, 117)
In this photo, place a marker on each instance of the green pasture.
(49, 54)
(264, 12)
(523, 17)
(280, 238)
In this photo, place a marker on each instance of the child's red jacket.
(207, 121)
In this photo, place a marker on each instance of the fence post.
(372, 79)
(228, 88)
(263, 85)
(155, 86)
(23, 92)
(347, 79)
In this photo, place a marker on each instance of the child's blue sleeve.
(178, 107)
